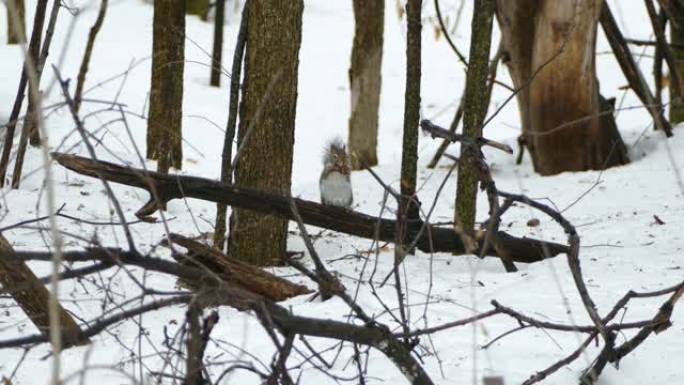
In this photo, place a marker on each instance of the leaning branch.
(631, 70)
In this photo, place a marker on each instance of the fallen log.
(17, 279)
(163, 188)
(235, 271)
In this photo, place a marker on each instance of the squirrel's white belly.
(336, 190)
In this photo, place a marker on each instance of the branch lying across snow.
(98, 325)
(164, 188)
(221, 292)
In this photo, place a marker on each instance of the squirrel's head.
(335, 157)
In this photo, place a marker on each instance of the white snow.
(622, 246)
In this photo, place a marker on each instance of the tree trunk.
(245, 275)
(32, 296)
(27, 72)
(677, 40)
(475, 108)
(198, 7)
(16, 28)
(217, 51)
(365, 82)
(38, 53)
(228, 138)
(408, 206)
(551, 48)
(269, 103)
(32, 118)
(164, 133)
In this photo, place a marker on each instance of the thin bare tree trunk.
(474, 111)
(227, 153)
(164, 126)
(193, 360)
(217, 51)
(30, 75)
(34, 47)
(31, 119)
(85, 62)
(677, 42)
(269, 102)
(365, 82)
(408, 206)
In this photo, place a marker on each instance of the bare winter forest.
(479, 192)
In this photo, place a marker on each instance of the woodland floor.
(622, 246)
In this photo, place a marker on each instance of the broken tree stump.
(229, 269)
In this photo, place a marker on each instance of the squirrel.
(335, 182)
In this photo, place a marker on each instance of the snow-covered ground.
(622, 246)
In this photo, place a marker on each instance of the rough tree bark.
(16, 28)
(474, 112)
(164, 129)
(269, 102)
(408, 206)
(365, 82)
(551, 51)
(677, 47)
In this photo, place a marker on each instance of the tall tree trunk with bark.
(365, 82)
(266, 130)
(16, 27)
(474, 111)
(677, 40)
(164, 128)
(551, 51)
(408, 206)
